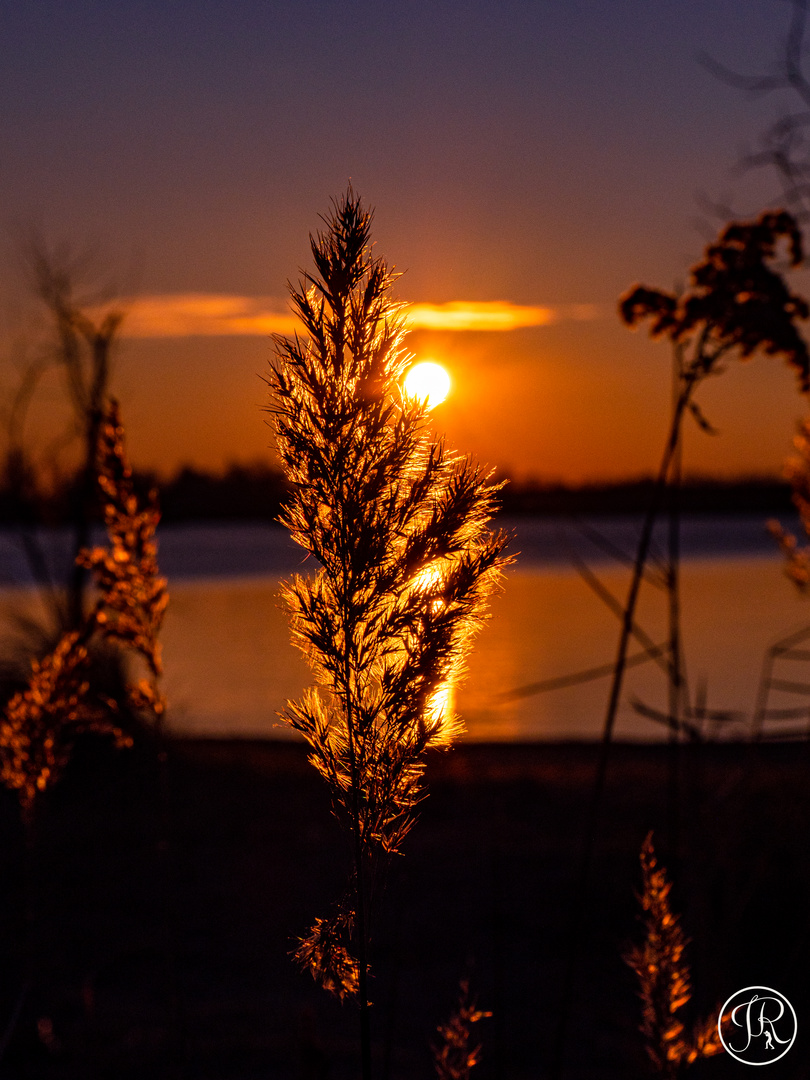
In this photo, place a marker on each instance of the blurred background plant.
(737, 304)
(456, 1053)
(664, 978)
(797, 469)
(61, 701)
(50, 480)
(64, 700)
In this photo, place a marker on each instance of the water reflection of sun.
(439, 708)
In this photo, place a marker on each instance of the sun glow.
(429, 577)
(439, 708)
(428, 382)
(440, 704)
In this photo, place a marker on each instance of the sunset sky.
(528, 162)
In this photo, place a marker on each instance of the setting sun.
(429, 382)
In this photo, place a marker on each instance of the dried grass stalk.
(455, 1055)
(397, 524)
(664, 978)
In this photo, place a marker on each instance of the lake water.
(230, 666)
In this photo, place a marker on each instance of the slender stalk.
(359, 885)
(628, 623)
(349, 665)
(167, 870)
(675, 680)
(642, 552)
(83, 352)
(99, 343)
(365, 1015)
(77, 585)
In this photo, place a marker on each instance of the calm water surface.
(230, 666)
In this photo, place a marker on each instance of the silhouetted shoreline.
(695, 497)
(257, 493)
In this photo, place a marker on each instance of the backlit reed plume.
(664, 979)
(41, 723)
(398, 526)
(456, 1052)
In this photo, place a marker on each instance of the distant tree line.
(753, 495)
(242, 492)
(257, 492)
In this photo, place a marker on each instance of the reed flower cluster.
(456, 1054)
(41, 723)
(664, 978)
(133, 596)
(397, 525)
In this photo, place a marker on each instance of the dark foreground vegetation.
(174, 962)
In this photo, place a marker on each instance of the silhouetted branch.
(783, 145)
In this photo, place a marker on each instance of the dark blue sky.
(542, 153)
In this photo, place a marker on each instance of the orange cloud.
(212, 315)
(205, 315)
(480, 315)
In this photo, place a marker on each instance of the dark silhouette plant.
(783, 145)
(737, 304)
(398, 526)
(84, 338)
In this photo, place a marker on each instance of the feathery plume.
(397, 524)
(41, 723)
(454, 1056)
(664, 978)
(133, 596)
